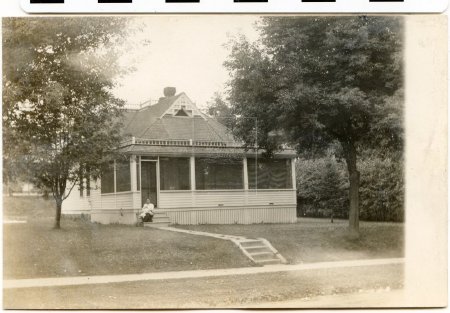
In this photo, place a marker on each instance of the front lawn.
(35, 250)
(318, 240)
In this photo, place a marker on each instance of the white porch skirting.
(232, 215)
(196, 216)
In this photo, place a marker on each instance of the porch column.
(192, 171)
(133, 173)
(115, 177)
(244, 168)
(294, 180)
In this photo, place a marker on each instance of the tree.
(314, 81)
(59, 112)
(220, 110)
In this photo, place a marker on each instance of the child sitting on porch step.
(147, 212)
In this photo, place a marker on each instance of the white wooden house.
(192, 169)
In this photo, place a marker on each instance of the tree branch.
(70, 190)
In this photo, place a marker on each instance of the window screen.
(123, 177)
(107, 178)
(269, 174)
(174, 173)
(218, 173)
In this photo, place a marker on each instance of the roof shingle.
(148, 123)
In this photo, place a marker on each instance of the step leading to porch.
(160, 219)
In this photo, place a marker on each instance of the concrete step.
(263, 257)
(257, 249)
(262, 254)
(157, 224)
(161, 219)
(251, 243)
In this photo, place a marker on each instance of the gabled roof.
(158, 122)
(136, 121)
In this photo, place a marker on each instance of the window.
(123, 177)
(269, 174)
(218, 173)
(107, 179)
(174, 174)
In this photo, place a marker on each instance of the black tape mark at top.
(46, 1)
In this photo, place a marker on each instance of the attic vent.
(181, 113)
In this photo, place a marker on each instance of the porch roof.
(160, 150)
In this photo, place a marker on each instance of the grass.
(28, 208)
(35, 250)
(316, 240)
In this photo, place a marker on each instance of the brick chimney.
(170, 91)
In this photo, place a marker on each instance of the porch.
(193, 189)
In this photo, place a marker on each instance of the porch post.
(192, 171)
(133, 173)
(115, 177)
(294, 180)
(244, 168)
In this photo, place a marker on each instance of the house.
(192, 169)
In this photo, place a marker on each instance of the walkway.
(259, 250)
(88, 280)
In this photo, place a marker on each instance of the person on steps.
(147, 212)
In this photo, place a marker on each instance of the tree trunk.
(58, 213)
(353, 173)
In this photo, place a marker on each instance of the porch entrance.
(148, 182)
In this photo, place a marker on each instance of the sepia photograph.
(212, 161)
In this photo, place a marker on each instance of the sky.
(186, 52)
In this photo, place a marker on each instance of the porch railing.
(179, 143)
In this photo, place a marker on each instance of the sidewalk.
(89, 280)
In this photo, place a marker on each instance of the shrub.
(322, 188)
(381, 189)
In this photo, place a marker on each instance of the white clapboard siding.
(117, 201)
(226, 198)
(75, 204)
(177, 199)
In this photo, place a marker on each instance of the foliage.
(219, 109)
(59, 112)
(322, 187)
(313, 81)
(382, 189)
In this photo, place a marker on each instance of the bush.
(381, 189)
(322, 188)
